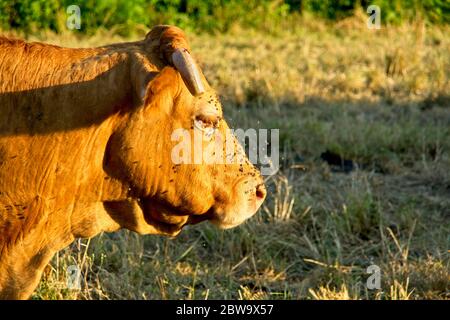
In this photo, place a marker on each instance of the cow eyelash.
(207, 124)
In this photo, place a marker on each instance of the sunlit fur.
(85, 147)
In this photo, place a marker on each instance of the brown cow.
(85, 147)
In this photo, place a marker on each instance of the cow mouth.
(153, 216)
(167, 219)
(194, 219)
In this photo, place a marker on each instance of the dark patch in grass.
(337, 163)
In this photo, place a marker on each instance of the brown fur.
(85, 148)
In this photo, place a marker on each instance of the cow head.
(175, 154)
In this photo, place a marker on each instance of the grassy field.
(364, 119)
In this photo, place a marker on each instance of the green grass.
(378, 98)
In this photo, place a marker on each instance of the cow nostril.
(260, 191)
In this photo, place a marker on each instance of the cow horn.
(189, 71)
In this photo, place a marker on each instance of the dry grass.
(378, 98)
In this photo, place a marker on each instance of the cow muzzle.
(249, 194)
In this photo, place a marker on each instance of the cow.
(86, 146)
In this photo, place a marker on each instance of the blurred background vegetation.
(364, 121)
(125, 17)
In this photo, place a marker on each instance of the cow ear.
(163, 88)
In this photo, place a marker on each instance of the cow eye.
(207, 123)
